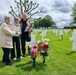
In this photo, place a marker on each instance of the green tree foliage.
(45, 22)
(73, 15)
(24, 6)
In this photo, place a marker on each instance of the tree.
(45, 22)
(74, 14)
(24, 6)
(47, 17)
(37, 22)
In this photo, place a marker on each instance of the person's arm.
(30, 24)
(7, 30)
(19, 30)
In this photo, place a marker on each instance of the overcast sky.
(59, 10)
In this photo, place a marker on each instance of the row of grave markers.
(56, 32)
(73, 38)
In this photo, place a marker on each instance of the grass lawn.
(59, 62)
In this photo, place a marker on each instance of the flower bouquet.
(33, 53)
(43, 47)
(27, 28)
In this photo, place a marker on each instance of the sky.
(59, 10)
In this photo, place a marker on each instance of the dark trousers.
(23, 44)
(16, 43)
(6, 52)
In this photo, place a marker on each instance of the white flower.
(46, 40)
(38, 41)
(46, 43)
(30, 46)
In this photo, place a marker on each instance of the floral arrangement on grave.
(43, 48)
(40, 47)
(33, 53)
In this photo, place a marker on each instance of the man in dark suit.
(25, 31)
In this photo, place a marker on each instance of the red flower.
(40, 47)
(35, 47)
(34, 54)
(45, 46)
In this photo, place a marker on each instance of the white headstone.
(61, 35)
(73, 39)
(66, 31)
(33, 38)
(43, 34)
(32, 42)
(56, 32)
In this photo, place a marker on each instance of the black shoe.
(3, 61)
(10, 64)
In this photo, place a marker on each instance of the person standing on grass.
(25, 31)
(6, 34)
(16, 40)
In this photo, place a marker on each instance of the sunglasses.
(16, 19)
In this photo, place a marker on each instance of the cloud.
(59, 10)
(5, 6)
(63, 9)
(61, 6)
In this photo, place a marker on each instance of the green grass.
(59, 62)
